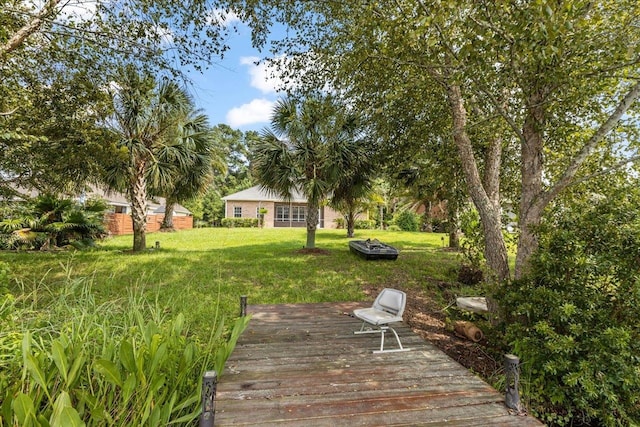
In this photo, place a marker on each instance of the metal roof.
(258, 193)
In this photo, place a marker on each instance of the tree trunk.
(534, 199)
(167, 221)
(495, 250)
(453, 218)
(138, 196)
(426, 217)
(531, 169)
(312, 224)
(33, 26)
(351, 223)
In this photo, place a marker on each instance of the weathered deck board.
(301, 365)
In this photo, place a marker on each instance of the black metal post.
(243, 305)
(512, 374)
(157, 244)
(209, 385)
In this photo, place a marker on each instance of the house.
(118, 217)
(280, 213)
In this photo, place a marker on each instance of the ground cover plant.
(83, 330)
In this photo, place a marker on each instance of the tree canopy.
(540, 92)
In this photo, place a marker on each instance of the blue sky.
(235, 91)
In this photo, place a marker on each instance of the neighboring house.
(119, 214)
(280, 213)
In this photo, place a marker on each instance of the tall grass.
(122, 362)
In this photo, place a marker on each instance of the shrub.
(49, 221)
(439, 226)
(407, 221)
(365, 224)
(339, 223)
(574, 321)
(240, 222)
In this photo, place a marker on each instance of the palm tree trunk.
(312, 225)
(351, 222)
(167, 221)
(138, 196)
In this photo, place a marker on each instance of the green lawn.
(139, 330)
(198, 270)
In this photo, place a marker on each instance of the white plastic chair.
(387, 308)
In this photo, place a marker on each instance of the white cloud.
(263, 74)
(222, 18)
(78, 11)
(256, 111)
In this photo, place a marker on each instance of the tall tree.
(192, 154)
(44, 44)
(351, 192)
(558, 78)
(148, 119)
(304, 150)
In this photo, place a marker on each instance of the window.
(299, 213)
(293, 213)
(282, 213)
(258, 212)
(237, 211)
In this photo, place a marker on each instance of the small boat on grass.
(373, 249)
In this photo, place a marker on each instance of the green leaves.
(64, 415)
(24, 410)
(574, 320)
(109, 371)
(102, 365)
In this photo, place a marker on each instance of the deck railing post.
(209, 385)
(512, 374)
(243, 305)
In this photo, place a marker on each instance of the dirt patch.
(312, 251)
(429, 320)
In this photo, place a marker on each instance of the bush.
(439, 226)
(365, 224)
(339, 223)
(574, 321)
(407, 221)
(240, 222)
(49, 221)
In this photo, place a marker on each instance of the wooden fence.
(118, 223)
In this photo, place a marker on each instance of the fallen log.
(468, 330)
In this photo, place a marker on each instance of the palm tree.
(147, 120)
(305, 148)
(351, 197)
(195, 158)
(352, 192)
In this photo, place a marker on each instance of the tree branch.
(607, 170)
(28, 29)
(568, 176)
(8, 113)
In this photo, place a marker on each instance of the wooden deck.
(301, 365)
